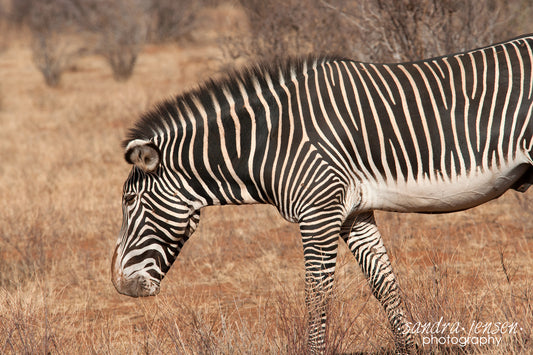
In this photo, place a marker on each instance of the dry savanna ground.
(237, 287)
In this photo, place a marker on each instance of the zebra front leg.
(365, 242)
(320, 254)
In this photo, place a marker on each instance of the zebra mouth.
(136, 286)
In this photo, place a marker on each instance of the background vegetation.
(75, 74)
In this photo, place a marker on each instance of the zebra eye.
(129, 199)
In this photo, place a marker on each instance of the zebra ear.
(143, 154)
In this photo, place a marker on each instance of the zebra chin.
(138, 285)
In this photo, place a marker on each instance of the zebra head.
(156, 223)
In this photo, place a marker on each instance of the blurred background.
(64, 31)
(75, 74)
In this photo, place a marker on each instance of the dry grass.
(237, 287)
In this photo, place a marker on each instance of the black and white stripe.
(327, 141)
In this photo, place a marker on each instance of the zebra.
(327, 141)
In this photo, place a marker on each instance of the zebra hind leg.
(364, 240)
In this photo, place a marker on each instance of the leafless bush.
(414, 29)
(54, 46)
(121, 27)
(172, 19)
(376, 30)
(292, 27)
(19, 11)
(123, 35)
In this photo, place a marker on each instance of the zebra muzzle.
(139, 284)
(136, 286)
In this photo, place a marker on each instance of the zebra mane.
(155, 121)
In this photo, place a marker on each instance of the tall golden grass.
(237, 287)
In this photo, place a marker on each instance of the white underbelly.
(441, 195)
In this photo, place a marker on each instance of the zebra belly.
(440, 196)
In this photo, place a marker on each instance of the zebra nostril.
(140, 286)
(136, 286)
(146, 286)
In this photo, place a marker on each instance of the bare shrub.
(173, 19)
(414, 29)
(54, 46)
(121, 27)
(370, 30)
(20, 11)
(292, 27)
(59, 26)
